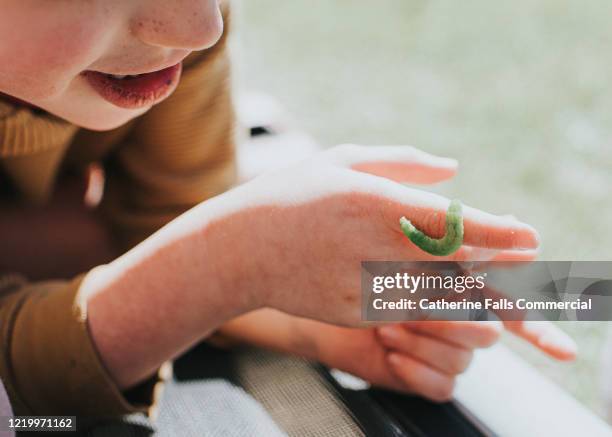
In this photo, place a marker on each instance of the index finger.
(427, 212)
(481, 229)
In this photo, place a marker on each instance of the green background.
(518, 92)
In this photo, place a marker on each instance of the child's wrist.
(269, 329)
(230, 268)
(234, 254)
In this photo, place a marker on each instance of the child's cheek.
(42, 64)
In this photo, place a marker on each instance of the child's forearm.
(161, 297)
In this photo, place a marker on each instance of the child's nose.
(179, 24)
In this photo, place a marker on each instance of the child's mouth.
(134, 92)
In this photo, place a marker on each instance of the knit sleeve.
(48, 361)
(177, 155)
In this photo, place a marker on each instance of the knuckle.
(340, 153)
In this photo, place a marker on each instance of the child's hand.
(425, 357)
(422, 358)
(294, 240)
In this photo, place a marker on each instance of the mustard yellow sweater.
(157, 166)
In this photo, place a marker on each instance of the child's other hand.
(423, 359)
(294, 240)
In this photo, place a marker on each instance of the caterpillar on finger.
(449, 243)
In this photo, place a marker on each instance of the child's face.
(58, 54)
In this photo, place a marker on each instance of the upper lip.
(151, 68)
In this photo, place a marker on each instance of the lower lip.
(137, 91)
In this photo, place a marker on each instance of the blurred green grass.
(518, 92)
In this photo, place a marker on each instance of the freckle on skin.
(349, 298)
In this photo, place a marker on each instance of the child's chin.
(105, 120)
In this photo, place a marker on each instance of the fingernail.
(562, 343)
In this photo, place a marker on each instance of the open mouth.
(135, 91)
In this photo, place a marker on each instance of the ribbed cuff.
(55, 365)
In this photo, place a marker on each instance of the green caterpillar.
(446, 245)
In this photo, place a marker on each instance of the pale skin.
(274, 262)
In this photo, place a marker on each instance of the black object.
(383, 413)
(379, 413)
(257, 131)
